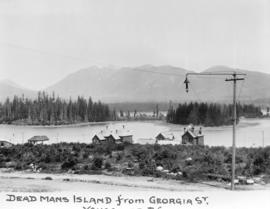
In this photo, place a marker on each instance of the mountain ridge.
(149, 83)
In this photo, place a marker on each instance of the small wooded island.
(51, 110)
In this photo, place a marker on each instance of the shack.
(5, 144)
(113, 136)
(38, 139)
(192, 137)
(165, 136)
(98, 138)
(125, 135)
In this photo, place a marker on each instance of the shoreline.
(82, 124)
(245, 122)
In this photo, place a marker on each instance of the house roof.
(115, 136)
(106, 133)
(99, 136)
(123, 133)
(192, 134)
(1, 141)
(38, 138)
(166, 135)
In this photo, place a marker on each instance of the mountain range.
(151, 84)
(10, 89)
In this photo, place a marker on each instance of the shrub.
(97, 163)
(48, 178)
(68, 164)
(108, 165)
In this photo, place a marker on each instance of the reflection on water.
(250, 132)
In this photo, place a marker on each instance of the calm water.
(250, 132)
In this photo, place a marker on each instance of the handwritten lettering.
(12, 198)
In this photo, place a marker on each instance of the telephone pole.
(262, 138)
(234, 79)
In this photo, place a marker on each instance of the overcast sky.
(43, 41)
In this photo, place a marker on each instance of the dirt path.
(36, 182)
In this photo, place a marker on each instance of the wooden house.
(5, 144)
(113, 138)
(38, 139)
(98, 139)
(117, 136)
(192, 137)
(125, 135)
(165, 136)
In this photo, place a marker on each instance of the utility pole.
(262, 138)
(234, 79)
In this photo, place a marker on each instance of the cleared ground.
(36, 182)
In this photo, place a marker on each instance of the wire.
(212, 77)
(163, 73)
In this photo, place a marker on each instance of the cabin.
(125, 135)
(165, 136)
(113, 138)
(38, 139)
(98, 139)
(5, 144)
(192, 137)
(116, 136)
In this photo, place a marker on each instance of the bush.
(97, 163)
(68, 164)
(108, 165)
(48, 178)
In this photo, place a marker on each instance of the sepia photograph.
(140, 104)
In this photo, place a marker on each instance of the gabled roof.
(99, 136)
(7, 142)
(167, 135)
(115, 136)
(106, 133)
(123, 133)
(192, 134)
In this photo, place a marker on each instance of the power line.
(156, 72)
(234, 79)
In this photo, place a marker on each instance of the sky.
(42, 41)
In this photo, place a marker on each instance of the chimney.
(200, 130)
(185, 130)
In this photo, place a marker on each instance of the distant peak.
(9, 82)
(145, 66)
(219, 68)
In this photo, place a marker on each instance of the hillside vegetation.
(51, 110)
(177, 161)
(210, 114)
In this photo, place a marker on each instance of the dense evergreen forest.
(51, 110)
(209, 114)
